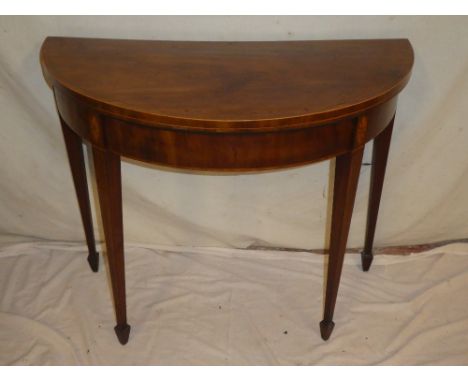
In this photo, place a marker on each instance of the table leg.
(107, 168)
(347, 171)
(74, 147)
(379, 164)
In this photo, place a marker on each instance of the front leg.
(107, 168)
(347, 171)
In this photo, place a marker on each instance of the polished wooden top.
(227, 85)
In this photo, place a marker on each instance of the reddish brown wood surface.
(108, 178)
(228, 84)
(227, 106)
(74, 146)
(344, 191)
(379, 165)
(229, 150)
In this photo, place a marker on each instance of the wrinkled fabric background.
(207, 306)
(424, 198)
(189, 304)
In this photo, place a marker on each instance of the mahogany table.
(226, 106)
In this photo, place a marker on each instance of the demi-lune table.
(226, 106)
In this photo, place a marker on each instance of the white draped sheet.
(207, 306)
(227, 306)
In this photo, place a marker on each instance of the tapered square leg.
(379, 164)
(347, 171)
(107, 169)
(74, 146)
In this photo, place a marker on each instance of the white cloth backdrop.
(425, 196)
(225, 306)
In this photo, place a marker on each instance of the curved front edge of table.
(211, 150)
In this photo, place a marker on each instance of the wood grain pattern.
(228, 84)
(227, 106)
(231, 150)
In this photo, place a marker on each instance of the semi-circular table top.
(228, 85)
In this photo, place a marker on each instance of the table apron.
(242, 150)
